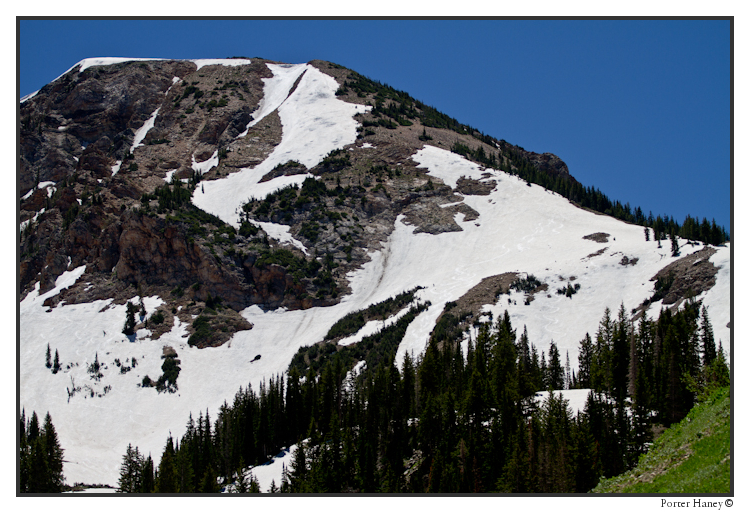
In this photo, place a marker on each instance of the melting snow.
(140, 134)
(206, 166)
(532, 231)
(314, 122)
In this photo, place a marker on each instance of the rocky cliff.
(105, 148)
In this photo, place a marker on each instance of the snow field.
(314, 122)
(521, 228)
(533, 231)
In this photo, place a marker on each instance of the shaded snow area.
(314, 122)
(272, 471)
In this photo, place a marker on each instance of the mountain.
(188, 226)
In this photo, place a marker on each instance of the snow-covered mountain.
(398, 210)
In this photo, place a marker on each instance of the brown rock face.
(154, 252)
(128, 227)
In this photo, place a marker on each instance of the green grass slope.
(690, 457)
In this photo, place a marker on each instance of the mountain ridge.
(392, 187)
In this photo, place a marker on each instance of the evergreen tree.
(41, 458)
(585, 357)
(555, 379)
(707, 339)
(209, 482)
(54, 455)
(131, 471)
(148, 482)
(24, 454)
(48, 359)
(166, 477)
(675, 245)
(129, 327)
(56, 365)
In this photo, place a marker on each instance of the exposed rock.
(598, 237)
(469, 186)
(692, 273)
(486, 292)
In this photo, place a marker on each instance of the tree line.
(512, 160)
(451, 420)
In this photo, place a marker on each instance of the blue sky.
(639, 109)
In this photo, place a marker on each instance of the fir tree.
(129, 327)
(707, 339)
(555, 374)
(131, 471)
(56, 365)
(48, 359)
(148, 483)
(166, 479)
(675, 245)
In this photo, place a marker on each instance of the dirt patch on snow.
(598, 237)
(692, 273)
(485, 292)
(592, 255)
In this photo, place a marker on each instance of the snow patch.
(223, 62)
(140, 134)
(576, 398)
(372, 327)
(24, 224)
(314, 122)
(280, 232)
(206, 166)
(446, 165)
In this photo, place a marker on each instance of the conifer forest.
(451, 421)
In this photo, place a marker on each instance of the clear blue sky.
(639, 109)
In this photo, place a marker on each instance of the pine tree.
(585, 357)
(54, 454)
(129, 327)
(48, 359)
(131, 471)
(42, 458)
(166, 478)
(209, 483)
(148, 483)
(24, 454)
(707, 339)
(56, 365)
(675, 245)
(555, 374)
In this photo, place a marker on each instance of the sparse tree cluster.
(41, 456)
